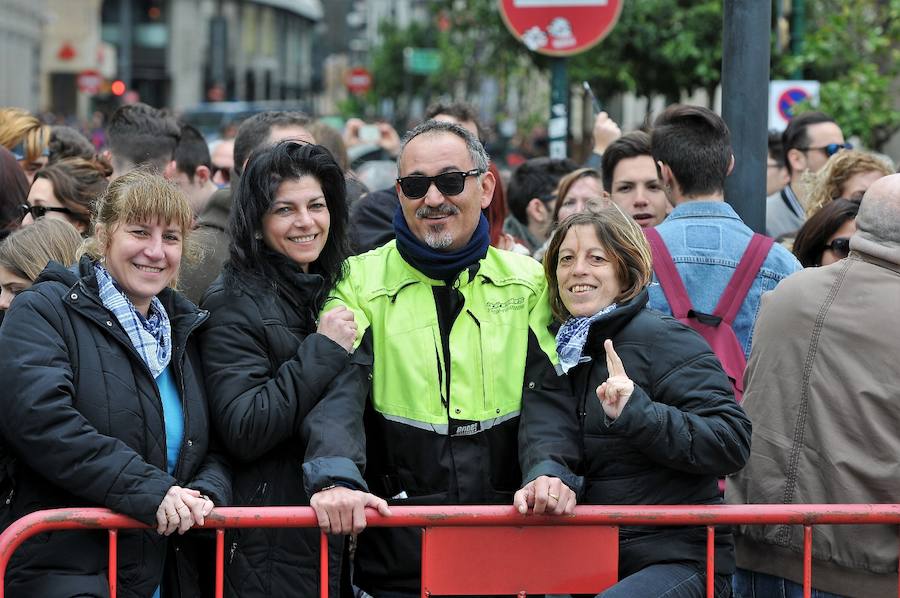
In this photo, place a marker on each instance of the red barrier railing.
(465, 517)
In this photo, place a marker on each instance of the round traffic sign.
(790, 98)
(560, 27)
(359, 80)
(89, 82)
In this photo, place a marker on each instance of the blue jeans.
(749, 584)
(669, 580)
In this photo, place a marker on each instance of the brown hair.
(565, 183)
(136, 197)
(809, 245)
(20, 126)
(28, 250)
(77, 183)
(828, 183)
(625, 245)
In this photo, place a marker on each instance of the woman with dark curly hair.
(269, 360)
(825, 237)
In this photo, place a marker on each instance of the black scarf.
(440, 265)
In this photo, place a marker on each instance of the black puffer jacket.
(268, 369)
(83, 417)
(680, 430)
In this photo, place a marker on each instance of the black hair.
(67, 142)
(254, 132)
(142, 135)
(695, 143)
(249, 256)
(191, 152)
(537, 177)
(461, 111)
(776, 148)
(631, 145)
(809, 244)
(795, 134)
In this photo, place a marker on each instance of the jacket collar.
(83, 295)
(702, 208)
(612, 323)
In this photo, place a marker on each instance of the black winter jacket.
(268, 369)
(83, 417)
(680, 430)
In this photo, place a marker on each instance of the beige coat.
(823, 393)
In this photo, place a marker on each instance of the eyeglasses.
(448, 183)
(41, 211)
(224, 170)
(830, 149)
(840, 246)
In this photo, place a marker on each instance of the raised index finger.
(613, 363)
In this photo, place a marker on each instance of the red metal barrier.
(466, 517)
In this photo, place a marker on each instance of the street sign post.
(559, 28)
(421, 61)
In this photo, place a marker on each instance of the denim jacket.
(706, 240)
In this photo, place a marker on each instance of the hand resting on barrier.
(545, 494)
(343, 511)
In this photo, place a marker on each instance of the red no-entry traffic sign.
(560, 27)
(89, 82)
(359, 80)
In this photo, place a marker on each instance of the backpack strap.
(669, 279)
(743, 277)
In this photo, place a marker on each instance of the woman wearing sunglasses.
(104, 404)
(270, 359)
(825, 237)
(67, 189)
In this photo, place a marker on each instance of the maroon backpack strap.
(743, 277)
(667, 274)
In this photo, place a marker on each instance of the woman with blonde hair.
(68, 190)
(847, 174)
(653, 419)
(26, 252)
(105, 404)
(26, 137)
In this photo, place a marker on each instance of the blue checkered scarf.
(571, 338)
(151, 336)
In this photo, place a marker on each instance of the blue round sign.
(790, 98)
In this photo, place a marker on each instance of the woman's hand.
(180, 509)
(615, 392)
(545, 494)
(339, 325)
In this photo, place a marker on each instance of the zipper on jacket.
(234, 547)
(9, 496)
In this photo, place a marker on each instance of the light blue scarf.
(571, 338)
(151, 336)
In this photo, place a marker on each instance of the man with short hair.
(808, 141)
(531, 195)
(222, 156)
(822, 391)
(630, 179)
(455, 332)
(260, 130)
(139, 135)
(777, 176)
(190, 168)
(704, 235)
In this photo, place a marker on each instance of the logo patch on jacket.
(496, 307)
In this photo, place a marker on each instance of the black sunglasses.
(840, 246)
(40, 211)
(830, 149)
(226, 172)
(448, 183)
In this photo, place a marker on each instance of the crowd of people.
(259, 323)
